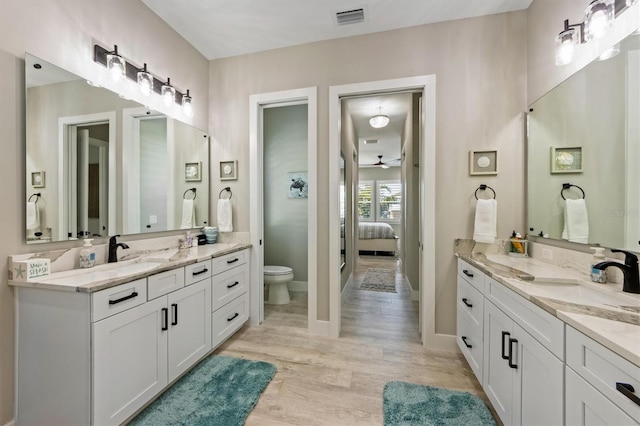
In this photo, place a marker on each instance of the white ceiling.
(222, 28)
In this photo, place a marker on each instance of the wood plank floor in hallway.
(324, 381)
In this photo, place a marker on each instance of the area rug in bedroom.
(407, 404)
(220, 390)
(376, 279)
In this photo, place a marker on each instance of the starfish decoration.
(20, 271)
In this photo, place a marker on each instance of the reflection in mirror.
(585, 133)
(73, 133)
(343, 200)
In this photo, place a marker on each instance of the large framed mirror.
(584, 143)
(98, 164)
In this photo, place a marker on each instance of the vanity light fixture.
(116, 65)
(168, 93)
(609, 53)
(567, 41)
(187, 107)
(598, 19)
(379, 120)
(145, 81)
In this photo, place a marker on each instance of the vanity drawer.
(226, 320)
(228, 261)
(165, 282)
(603, 368)
(470, 302)
(470, 342)
(197, 272)
(229, 285)
(116, 299)
(544, 327)
(471, 274)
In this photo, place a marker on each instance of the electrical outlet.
(547, 254)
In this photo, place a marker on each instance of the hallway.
(325, 381)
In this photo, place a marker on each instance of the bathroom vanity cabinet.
(99, 357)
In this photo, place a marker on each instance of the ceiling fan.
(383, 164)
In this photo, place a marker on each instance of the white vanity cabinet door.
(129, 361)
(189, 326)
(470, 320)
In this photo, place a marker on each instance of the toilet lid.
(277, 270)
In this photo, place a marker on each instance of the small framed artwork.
(229, 170)
(483, 163)
(37, 179)
(193, 172)
(297, 185)
(566, 159)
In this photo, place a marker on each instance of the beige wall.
(480, 66)
(63, 32)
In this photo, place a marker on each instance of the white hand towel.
(225, 218)
(188, 215)
(33, 217)
(485, 221)
(576, 221)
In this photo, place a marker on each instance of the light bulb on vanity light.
(566, 43)
(116, 65)
(598, 19)
(187, 106)
(168, 93)
(145, 81)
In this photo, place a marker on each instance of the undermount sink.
(108, 271)
(577, 292)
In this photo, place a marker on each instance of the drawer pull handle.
(122, 299)
(174, 313)
(233, 317)
(233, 285)
(628, 391)
(467, 273)
(464, 339)
(502, 345)
(511, 352)
(466, 302)
(204, 271)
(165, 319)
(229, 262)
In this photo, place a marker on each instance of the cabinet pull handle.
(466, 302)
(464, 339)
(511, 352)
(233, 285)
(233, 317)
(204, 271)
(122, 299)
(627, 390)
(165, 319)
(229, 262)
(467, 273)
(502, 345)
(174, 314)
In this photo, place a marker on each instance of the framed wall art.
(483, 163)
(37, 179)
(193, 172)
(297, 185)
(566, 159)
(229, 170)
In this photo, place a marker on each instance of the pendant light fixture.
(187, 107)
(116, 65)
(168, 93)
(379, 120)
(598, 19)
(145, 81)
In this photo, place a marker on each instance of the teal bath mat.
(407, 404)
(219, 391)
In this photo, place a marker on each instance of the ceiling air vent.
(353, 16)
(370, 141)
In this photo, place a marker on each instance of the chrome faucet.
(629, 269)
(113, 248)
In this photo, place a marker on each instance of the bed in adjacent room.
(377, 237)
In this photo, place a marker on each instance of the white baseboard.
(442, 342)
(298, 286)
(319, 328)
(415, 295)
(346, 288)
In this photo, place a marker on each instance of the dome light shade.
(598, 19)
(379, 121)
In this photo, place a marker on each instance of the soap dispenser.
(87, 254)
(598, 275)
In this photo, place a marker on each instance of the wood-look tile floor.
(324, 381)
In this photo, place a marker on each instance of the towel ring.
(484, 187)
(184, 196)
(569, 185)
(228, 189)
(37, 195)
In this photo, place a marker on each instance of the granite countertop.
(109, 275)
(600, 311)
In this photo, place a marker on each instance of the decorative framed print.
(483, 163)
(37, 179)
(298, 185)
(229, 170)
(193, 172)
(566, 159)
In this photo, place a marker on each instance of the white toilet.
(277, 278)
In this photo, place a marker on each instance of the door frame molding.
(257, 103)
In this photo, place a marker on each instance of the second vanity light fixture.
(598, 20)
(120, 69)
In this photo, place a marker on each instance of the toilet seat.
(273, 271)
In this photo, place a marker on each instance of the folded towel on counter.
(484, 229)
(225, 216)
(188, 215)
(576, 221)
(33, 216)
